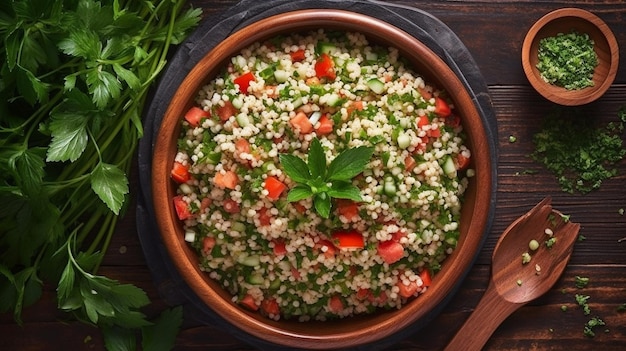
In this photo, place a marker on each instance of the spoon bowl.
(515, 281)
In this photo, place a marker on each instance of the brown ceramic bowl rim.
(603, 36)
(357, 330)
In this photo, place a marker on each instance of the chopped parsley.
(580, 154)
(567, 60)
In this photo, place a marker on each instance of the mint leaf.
(317, 159)
(345, 190)
(299, 192)
(69, 136)
(162, 334)
(295, 168)
(110, 184)
(349, 163)
(322, 204)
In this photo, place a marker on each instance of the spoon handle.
(477, 329)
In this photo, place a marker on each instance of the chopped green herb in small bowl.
(570, 56)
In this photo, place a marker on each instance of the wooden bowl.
(564, 21)
(353, 331)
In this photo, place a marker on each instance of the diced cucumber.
(243, 120)
(249, 260)
(275, 284)
(376, 85)
(238, 227)
(281, 75)
(371, 56)
(325, 48)
(390, 187)
(255, 278)
(237, 102)
(297, 102)
(449, 168)
(404, 141)
(315, 117)
(333, 99)
(190, 236)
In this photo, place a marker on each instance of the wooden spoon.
(513, 283)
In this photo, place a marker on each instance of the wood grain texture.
(493, 31)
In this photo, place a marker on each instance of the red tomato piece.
(295, 273)
(325, 125)
(205, 203)
(228, 179)
(231, 206)
(390, 251)
(453, 121)
(335, 305)
(297, 56)
(280, 249)
(409, 163)
(244, 81)
(265, 217)
(195, 115)
(242, 145)
(347, 208)
(180, 173)
(330, 248)
(363, 294)
(462, 162)
(434, 133)
(442, 109)
(248, 302)
(182, 208)
(348, 239)
(426, 278)
(208, 243)
(325, 67)
(301, 122)
(407, 290)
(227, 111)
(274, 188)
(270, 306)
(299, 207)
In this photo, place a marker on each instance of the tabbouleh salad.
(332, 90)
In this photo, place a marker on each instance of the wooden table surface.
(493, 32)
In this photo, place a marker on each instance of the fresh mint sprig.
(315, 178)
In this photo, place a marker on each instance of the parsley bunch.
(74, 79)
(316, 179)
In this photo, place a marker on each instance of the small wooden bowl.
(564, 21)
(353, 331)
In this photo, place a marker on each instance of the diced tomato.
(298, 55)
(299, 207)
(182, 208)
(272, 91)
(426, 279)
(242, 145)
(244, 81)
(227, 111)
(380, 299)
(409, 163)
(442, 109)
(265, 217)
(301, 122)
(425, 93)
(363, 294)
(390, 251)
(180, 173)
(274, 188)
(453, 121)
(397, 236)
(335, 305)
(348, 239)
(248, 302)
(208, 243)
(434, 132)
(227, 179)
(205, 203)
(295, 273)
(195, 115)
(325, 125)
(280, 249)
(422, 121)
(230, 206)
(347, 208)
(312, 81)
(270, 306)
(462, 162)
(325, 67)
(407, 290)
(330, 248)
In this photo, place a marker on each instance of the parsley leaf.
(323, 183)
